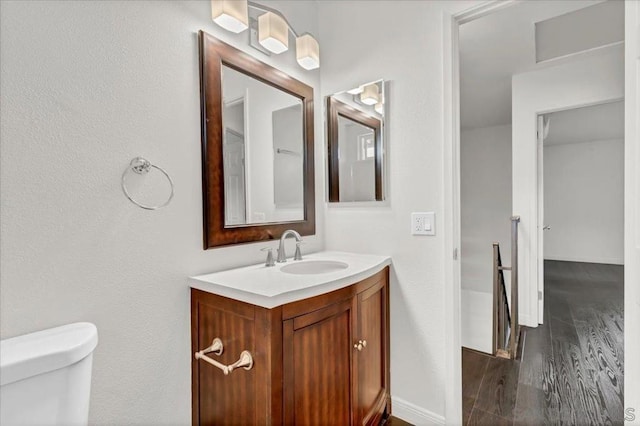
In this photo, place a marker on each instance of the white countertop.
(269, 287)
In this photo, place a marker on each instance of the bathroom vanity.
(318, 334)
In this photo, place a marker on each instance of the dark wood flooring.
(571, 368)
(394, 421)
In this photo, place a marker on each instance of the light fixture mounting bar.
(264, 8)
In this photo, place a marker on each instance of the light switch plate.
(423, 223)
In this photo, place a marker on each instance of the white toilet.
(45, 377)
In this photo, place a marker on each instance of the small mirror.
(257, 148)
(355, 128)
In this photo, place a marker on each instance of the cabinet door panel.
(317, 370)
(220, 395)
(371, 361)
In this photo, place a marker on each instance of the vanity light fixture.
(370, 94)
(308, 52)
(273, 29)
(232, 15)
(355, 91)
(273, 32)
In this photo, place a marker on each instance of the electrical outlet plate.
(423, 223)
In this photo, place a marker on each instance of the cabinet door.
(220, 399)
(371, 359)
(318, 351)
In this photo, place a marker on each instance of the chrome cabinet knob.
(361, 344)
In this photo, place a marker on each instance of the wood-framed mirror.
(257, 148)
(355, 122)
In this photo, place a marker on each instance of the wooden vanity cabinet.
(322, 360)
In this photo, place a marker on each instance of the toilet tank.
(45, 377)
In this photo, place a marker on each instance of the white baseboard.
(526, 321)
(413, 414)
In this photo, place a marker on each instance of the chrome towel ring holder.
(142, 166)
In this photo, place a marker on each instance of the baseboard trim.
(526, 321)
(413, 414)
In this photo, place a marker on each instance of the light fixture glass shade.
(273, 32)
(232, 15)
(355, 91)
(308, 52)
(379, 108)
(370, 95)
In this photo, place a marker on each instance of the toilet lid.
(25, 356)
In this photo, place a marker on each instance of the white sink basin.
(312, 267)
(269, 287)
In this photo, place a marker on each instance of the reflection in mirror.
(357, 168)
(263, 147)
(355, 137)
(257, 148)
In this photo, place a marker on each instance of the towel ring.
(142, 166)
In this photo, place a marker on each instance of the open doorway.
(507, 77)
(580, 342)
(581, 187)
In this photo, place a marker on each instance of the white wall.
(581, 81)
(584, 201)
(402, 42)
(485, 196)
(85, 87)
(288, 167)
(632, 209)
(485, 213)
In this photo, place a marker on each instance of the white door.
(234, 178)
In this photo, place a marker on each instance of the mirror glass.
(355, 120)
(263, 151)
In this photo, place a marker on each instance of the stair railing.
(506, 330)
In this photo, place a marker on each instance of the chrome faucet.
(282, 257)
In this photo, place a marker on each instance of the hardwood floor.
(394, 421)
(572, 367)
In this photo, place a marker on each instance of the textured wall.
(632, 207)
(399, 41)
(86, 86)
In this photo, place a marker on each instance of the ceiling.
(594, 123)
(494, 48)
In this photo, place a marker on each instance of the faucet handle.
(298, 255)
(269, 261)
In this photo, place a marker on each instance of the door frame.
(451, 197)
(540, 195)
(451, 181)
(540, 219)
